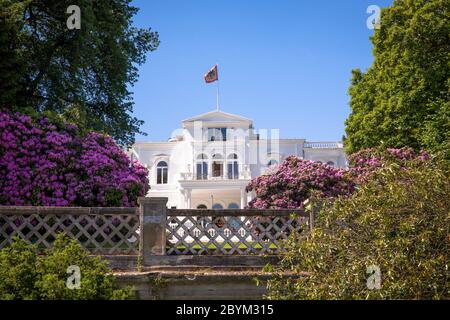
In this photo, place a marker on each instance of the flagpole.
(217, 102)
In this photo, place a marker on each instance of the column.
(250, 196)
(209, 169)
(243, 198)
(188, 198)
(225, 169)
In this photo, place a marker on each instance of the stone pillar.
(153, 219)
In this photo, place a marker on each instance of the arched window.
(202, 206)
(218, 221)
(330, 163)
(202, 167)
(162, 172)
(272, 163)
(233, 167)
(233, 206)
(217, 165)
(217, 206)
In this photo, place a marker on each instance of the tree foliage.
(403, 98)
(84, 74)
(398, 221)
(436, 133)
(25, 274)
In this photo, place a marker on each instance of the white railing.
(244, 173)
(186, 176)
(323, 145)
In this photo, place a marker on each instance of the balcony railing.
(323, 145)
(242, 174)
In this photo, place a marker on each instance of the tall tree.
(403, 98)
(83, 74)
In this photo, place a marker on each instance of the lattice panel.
(100, 234)
(187, 235)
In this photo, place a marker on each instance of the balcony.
(243, 173)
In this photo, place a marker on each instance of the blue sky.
(285, 64)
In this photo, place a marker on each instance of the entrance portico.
(222, 194)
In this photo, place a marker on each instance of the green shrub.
(399, 222)
(24, 274)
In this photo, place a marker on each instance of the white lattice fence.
(100, 230)
(230, 235)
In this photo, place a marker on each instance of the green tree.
(25, 274)
(399, 222)
(436, 134)
(83, 74)
(396, 101)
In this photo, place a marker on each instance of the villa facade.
(215, 155)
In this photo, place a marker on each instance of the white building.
(215, 155)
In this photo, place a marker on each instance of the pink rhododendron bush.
(368, 161)
(48, 164)
(295, 180)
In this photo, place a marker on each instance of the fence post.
(152, 218)
(316, 207)
(311, 219)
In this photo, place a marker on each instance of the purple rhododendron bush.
(295, 180)
(47, 164)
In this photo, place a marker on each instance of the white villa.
(211, 160)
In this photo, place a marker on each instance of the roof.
(218, 116)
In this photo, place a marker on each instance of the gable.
(218, 116)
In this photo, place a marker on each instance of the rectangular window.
(217, 169)
(217, 134)
(161, 175)
(199, 171)
(233, 170)
(202, 171)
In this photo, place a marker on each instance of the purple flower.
(43, 165)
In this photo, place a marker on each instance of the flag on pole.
(212, 75)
